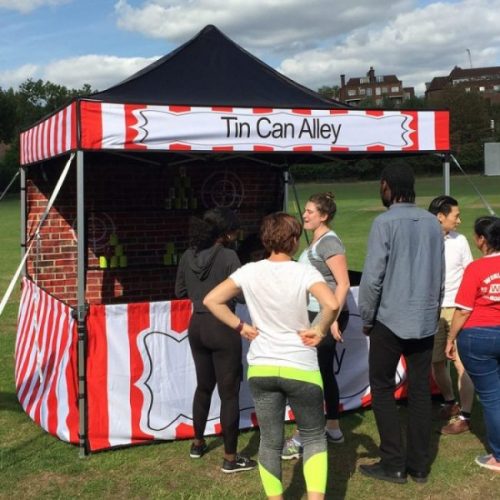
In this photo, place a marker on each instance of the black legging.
(216, 350)
(326, 352)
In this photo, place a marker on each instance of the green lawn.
(358, 204)
(34, 464)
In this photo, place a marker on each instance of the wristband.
(240, 326)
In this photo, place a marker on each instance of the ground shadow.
(9, 402)
(342, 460)
(477, 427)
(251, 449)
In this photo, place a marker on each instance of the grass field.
(34, 464)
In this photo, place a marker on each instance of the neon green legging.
(271, 387)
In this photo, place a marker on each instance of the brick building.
(485, 81)
(373, 87)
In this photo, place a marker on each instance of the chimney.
(342, 81)
(371, 74)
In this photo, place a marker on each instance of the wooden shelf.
(136, 267)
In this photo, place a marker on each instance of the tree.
(469, 119)
(414, 102)
(329, 92)
(36, 99)
(367, 103)
(7, 115)
(21, 108)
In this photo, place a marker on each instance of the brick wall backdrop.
(137, 218)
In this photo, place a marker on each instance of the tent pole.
(81, 311)
(446, 173)
(22, 171)
(286, 174)
(297, 206)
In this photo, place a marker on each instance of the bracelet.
(240, 326)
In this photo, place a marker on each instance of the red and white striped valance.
(51, 137)
(186, 128)
(179, 128)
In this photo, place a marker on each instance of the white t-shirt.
(276, 297)
(457, 256)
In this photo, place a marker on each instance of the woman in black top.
(216, 348)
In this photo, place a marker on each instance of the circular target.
(222, 189)
(100, 226)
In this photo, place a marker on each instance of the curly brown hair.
(279, 232)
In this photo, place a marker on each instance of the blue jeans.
(479, 350)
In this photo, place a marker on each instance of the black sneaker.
(239, 465)
(197, 451)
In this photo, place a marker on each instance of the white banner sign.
(123, 126)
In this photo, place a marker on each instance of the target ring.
(100, 226)
(222, 189)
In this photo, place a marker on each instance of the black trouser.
(326, 354)
(216, 350)
(385, 351)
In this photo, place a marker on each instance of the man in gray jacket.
(399, 301)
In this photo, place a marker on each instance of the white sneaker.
(334, 436)
(291, 449)
(488, 462)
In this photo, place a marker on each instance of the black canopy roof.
(212, 70)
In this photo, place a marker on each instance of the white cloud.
(415, 45)
(315, 43)
(26, 6)
(312, 44)
(279, 26)
(99, 71)
(13, 78)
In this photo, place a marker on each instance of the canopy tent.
(211, 95)
(208, 98)
(210, 69)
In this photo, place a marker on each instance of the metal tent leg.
(22, 170)
(446, 173)
(81, 311)
(286, 175)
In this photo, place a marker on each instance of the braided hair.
(401, 182)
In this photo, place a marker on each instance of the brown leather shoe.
(456, 426)
(449, 411)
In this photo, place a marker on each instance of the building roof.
(438, 83)
(458, 75)
(487, 73)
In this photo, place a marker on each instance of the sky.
(101, 42)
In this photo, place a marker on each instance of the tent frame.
(81, 311)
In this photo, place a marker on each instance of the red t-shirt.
(479, 292)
